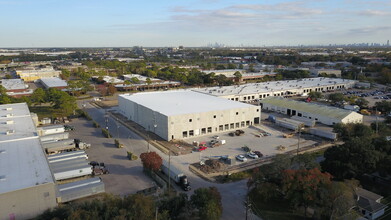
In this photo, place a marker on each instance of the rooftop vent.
(8, 132)
(2, 177)
(8, 115)
(10, 122)
(8, 109)
(2, 151)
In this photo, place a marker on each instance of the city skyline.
(53, 23)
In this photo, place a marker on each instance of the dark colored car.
(258, 153)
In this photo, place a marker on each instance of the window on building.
(209, 129)
(237, 113)
(226, 126)
(214, 116)
(221, 127)
(184, 134)
(247, 123)
(299, 114)
(253, 97)
(190, 120)
(237, 125)
(236, 99)
(242, 124)
(257, 110)
(244, 98)
(231, 126)
(203, 130)
(191, 133)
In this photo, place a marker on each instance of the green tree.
(238, 76)
(336, 97)
(383, 106)
(4, 98)
(208, 202)
(315, 95)
(302, 187)
(361, 102)
(148, 81)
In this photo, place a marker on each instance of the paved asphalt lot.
(127, 177)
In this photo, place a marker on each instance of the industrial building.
(30, 75)
(27, 186)
(182, 114)
(255, 91)
(53, 82)
(320, 113)
(15, 87)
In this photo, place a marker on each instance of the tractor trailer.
(176, 175)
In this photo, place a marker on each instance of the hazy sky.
(90, 23)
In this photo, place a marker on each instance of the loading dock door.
(288, 112)
(256, 120)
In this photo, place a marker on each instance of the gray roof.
(181, 102)
(327, 111)
(367, 194)
(370, 205)
(23, 163)
(13, 84)
(53, 82)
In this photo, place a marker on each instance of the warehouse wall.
(27, 203)
(189, 125)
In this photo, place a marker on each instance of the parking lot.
(251, 138)
(125, 177)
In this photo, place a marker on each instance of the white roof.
(23, 163)
(273, 86)
(11, 84)
(140, 77)
(180, 102)
(52, 82)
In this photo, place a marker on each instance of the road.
(233, 194)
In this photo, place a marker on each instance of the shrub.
(132, 156)
(106, 133)
(96, 125)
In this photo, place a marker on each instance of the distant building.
(53, 82)
(227, 72)
(15, 87)
(27, 187)
(183, 114)
(35, 74)
(327, 72)
(255, 91)
(140, 78)
(320, 113)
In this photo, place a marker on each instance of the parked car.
(258, 153)
(202, 148)
(68, 128)
(241, 158)
(252, 155)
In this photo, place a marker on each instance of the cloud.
(373, 13)
(370, 30)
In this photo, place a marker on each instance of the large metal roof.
(180, 102)
(273, 86)
(23, 163)
(327, 111)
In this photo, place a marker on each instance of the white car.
(241, 158)
(252, 155)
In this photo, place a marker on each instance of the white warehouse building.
(320, 113)
(183, 113)
(255, 91)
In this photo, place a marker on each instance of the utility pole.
(169, 173)
(377, 124)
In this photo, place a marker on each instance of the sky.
(192, 23)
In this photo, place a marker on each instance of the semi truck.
(54, 147)
(176, 175)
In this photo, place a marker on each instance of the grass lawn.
(45, 111)
(275, 210)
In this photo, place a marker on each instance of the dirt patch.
(211, 166)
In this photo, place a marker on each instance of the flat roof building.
(31, 75)
(256, 91)
(15, 87)
(183, 113)
(320, 113)
(27, 187)
(53, 82)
